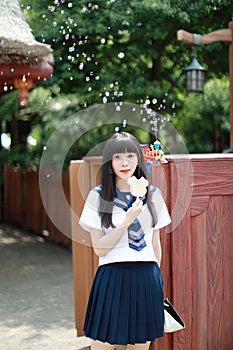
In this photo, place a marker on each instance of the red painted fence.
(197, 254)
(23, 205)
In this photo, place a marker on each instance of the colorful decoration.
(153, 153)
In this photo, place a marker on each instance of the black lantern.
(195, 75)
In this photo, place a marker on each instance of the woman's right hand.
(133, 212)
(103, 243)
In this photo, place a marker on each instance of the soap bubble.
(121, 55)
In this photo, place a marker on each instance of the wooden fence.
(23, 206)
(197, 254)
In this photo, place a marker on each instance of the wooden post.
(231, 84)
(83, 264)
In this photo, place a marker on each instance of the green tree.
(125, 47)
(121, 50)
(204, 119)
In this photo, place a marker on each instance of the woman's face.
(124, 165)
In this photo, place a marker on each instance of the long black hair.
(120, 143)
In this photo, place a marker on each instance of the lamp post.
(223, 35)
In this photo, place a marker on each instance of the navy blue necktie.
(124, 200)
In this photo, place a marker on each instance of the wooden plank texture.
(213, 177)
(60, 230)
(214, 242)
(35, 215)
(181, 280)
(82, 253)
(227, 233)
(199, 282)
(160, 177)
(13, 195)
(199, 204)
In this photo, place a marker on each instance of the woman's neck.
(122, 186)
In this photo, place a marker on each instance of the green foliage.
(124, 50)
(202, 116)
(8, 105)
(15, 158)
(132, 43)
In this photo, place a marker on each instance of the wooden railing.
(197, 253)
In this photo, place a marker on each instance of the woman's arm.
(103, 243)
(157, 246)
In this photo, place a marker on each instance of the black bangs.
(123, 146)
(121, 143)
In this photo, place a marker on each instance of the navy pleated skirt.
(126, 304)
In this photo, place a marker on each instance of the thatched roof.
(17, 43)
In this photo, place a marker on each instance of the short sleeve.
(90, 217)
(163, 216)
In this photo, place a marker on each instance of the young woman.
(126, 301)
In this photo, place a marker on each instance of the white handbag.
(172, 320)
